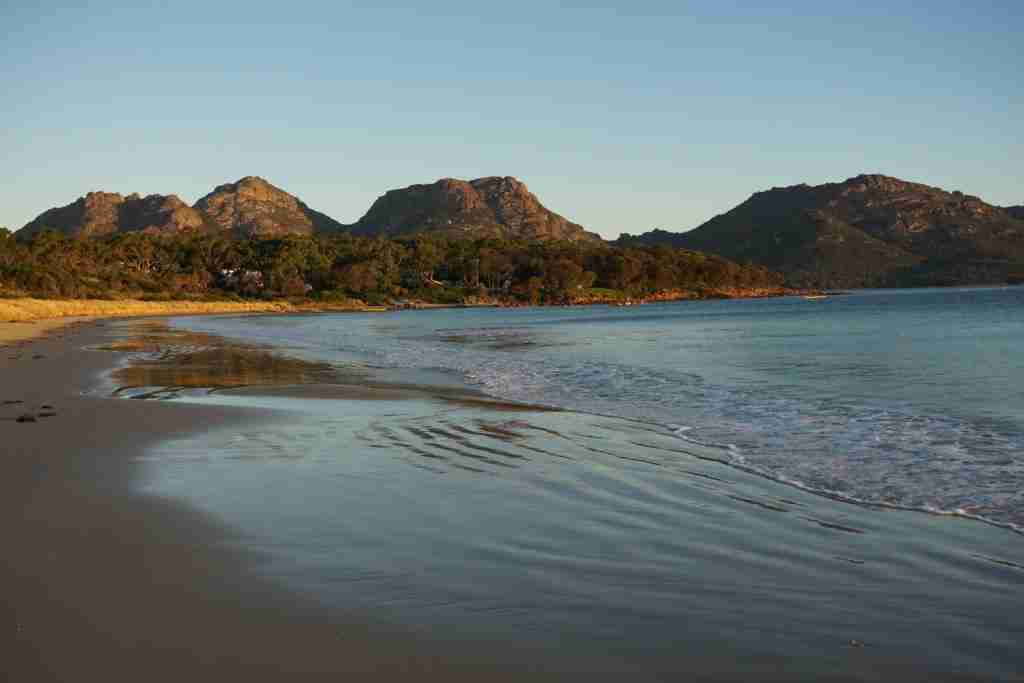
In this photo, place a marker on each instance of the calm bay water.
(836, 483)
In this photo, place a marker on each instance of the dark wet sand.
(100, 582)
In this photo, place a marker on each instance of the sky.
(622, 116)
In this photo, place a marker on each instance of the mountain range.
(253, 207)
(867, 231)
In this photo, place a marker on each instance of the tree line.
(376, 270)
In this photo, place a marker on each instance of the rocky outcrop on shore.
(485, 207)
(720, 293)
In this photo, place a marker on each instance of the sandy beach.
(23, 330)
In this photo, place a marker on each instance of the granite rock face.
(159, 213)
(106, 213)
(486, 207)
(92, 215)
(252, 207)
(870, 230)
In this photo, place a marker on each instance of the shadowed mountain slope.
(871, 230)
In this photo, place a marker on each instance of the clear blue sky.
(623, 117)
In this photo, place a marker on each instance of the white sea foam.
(730, 455)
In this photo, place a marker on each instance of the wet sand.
(13, 333)
(100, 582)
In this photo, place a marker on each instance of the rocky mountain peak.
(253, 207)
(158, 213)
(251, 185)
(106, 213)
(495, 185)
(496, 206)
(868, 182)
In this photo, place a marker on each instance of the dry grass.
(38, 316)
(28, 310)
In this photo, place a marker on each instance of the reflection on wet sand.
(471, 400)
(166, 361)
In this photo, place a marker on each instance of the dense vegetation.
(377, 270)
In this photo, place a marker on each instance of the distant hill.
(654, 238)
(105, 213)
(247, 208)
(1016, 211)
(871, 230)
(252, 207)
(486, 207)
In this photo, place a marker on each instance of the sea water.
(836, 483)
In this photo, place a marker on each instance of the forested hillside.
(426, 267)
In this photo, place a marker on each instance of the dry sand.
(26, 318)
(99, 582)
(11, 332)
(27, 309)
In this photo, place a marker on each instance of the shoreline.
(104, 582)
(27, 318)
